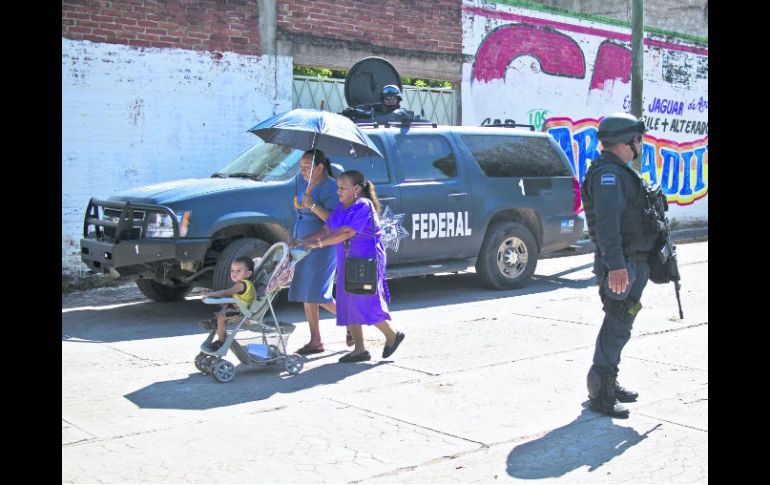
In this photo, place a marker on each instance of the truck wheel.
(508, 256)
(247, 246)
(158, 292)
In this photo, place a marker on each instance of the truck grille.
(113, 215)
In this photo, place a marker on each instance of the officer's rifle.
(667, 254)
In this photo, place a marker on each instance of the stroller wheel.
(209, 362)
(294, 364)
(223, 371)
(201, 364)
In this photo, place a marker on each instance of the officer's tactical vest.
(638, 229)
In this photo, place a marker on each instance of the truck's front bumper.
(139, 255)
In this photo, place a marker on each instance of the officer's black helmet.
(620, 128)
(390, 90)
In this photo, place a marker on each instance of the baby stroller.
(255, 341)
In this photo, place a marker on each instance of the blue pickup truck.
(453, 197)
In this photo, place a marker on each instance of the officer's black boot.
(601, 395)
(623, 394)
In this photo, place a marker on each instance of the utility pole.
(637, 63)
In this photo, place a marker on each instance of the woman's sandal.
(362, 357)
(308, 349)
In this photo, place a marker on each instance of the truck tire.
(158, 292)
(247, 246)
(508, 256)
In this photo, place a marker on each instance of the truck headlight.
(161, 225)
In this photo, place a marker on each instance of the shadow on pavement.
(145, 319)
(201, 391)
(434, 290)
(590, 440)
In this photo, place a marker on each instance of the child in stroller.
(265, 343)
(243, 290)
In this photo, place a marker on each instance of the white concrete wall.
(563, 74)
(135, 116)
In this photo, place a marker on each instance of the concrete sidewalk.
(679, 236)
(487, 387)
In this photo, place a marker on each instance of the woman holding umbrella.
(355, 219)
(313, 130)
(314, 275)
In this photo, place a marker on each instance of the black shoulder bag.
(361, 273)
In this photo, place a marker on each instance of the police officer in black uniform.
(390, 100)
(388, 109)
(614, 201)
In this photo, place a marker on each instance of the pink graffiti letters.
(613, 61)
(580, 29)
(558, 54)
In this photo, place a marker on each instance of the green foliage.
(424, 83)
(318, 72)
(405, 81)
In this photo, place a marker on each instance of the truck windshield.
(264, 161)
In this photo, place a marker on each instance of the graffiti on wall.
(681, 169)
(562, 74)
(558, 54)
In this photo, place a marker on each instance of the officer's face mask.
(632, 144)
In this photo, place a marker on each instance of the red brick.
(124, 21)
(139, 43)
(232, 26)
(106, 33)
(147, 24)
(76, 15)
(103, 19)
(79, 30)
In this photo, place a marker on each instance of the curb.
(679, 236)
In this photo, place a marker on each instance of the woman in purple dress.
(352, 220)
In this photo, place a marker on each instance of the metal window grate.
(435, 104)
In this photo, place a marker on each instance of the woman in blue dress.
(355, 219)
(314, 275)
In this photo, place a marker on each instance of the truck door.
(380, 174)
(435, 197)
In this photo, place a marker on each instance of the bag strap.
(374, 236)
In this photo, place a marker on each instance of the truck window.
(515, 156)
(374, 168)
(264, 161)
(425, 157)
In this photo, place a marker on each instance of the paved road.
(487, 387)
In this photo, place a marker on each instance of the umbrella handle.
(296, 199)
(312, 164)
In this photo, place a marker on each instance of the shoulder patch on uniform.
(608, 179)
